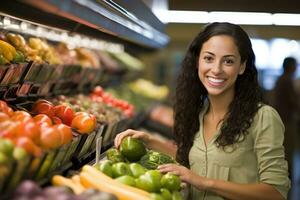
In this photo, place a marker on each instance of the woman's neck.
(219, 106)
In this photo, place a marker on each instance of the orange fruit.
(65, 132)
(84, 123)
(30, 130)
(4, 117)
(41, 119)
(50, 137)
(21, 116)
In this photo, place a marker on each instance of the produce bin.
(11, 92)
(71, 150)
(3, 69)
(46, 164)
(44, 73)
(14, 74)
(58, 160)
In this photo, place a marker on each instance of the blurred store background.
(274, 37)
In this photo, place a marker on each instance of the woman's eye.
(228, 61)
(208, 58)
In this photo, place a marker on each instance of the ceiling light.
(179, 16)
(243, 18)
(286, 19)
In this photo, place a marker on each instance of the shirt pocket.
(219, 172)
(229, 158)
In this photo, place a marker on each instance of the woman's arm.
(235, 191)
(229, 190)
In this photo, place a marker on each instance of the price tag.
(98, 148)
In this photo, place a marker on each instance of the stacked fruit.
(89, 177)
(148, 89)
(8, 54)
(21, 46)
(36, 49)
(83, 122)
(133, 165)
(99, 95)
(34, 134)
(106, 108)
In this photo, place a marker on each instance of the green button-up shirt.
(259, 158)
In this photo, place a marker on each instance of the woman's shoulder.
(266, 111)
(266, 116)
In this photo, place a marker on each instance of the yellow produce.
(3, 60)
(58, 180)
(16, 40)
(8, 51)
(90, 177)
(20, 44)
(89, 180)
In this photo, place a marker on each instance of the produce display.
(65, 112)
(135, 166)
(148, 89)
(106, 108)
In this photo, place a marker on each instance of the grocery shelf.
(98, 17)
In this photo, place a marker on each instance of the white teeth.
(216, 80)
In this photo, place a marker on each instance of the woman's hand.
(186, 175)
(135, 134)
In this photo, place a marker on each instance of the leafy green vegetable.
(114, 155)
(153, 159)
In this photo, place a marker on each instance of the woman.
(228, 142)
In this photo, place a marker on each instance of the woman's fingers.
(121, 136)
(169, 168)
(129, 132)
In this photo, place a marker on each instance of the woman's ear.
(242, 69)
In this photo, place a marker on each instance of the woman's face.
(219, 65)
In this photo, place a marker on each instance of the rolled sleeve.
(268, 146)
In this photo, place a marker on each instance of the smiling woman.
(228, 141)
(220, 64)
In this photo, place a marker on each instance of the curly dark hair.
(191, 94)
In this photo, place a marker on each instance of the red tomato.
(81, 113)
(84, 123)
(43, 101)
(56, 120)
(10, 127)
(65, 113)
(5, 108)
(30, 130)
(6, 134)
(98, 90)
(4, 117)
(41, 119)
(50, 137)
(3, 104)
(43, 108)
(21, 116)
(65, 132)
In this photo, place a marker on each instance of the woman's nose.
(217, 68)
